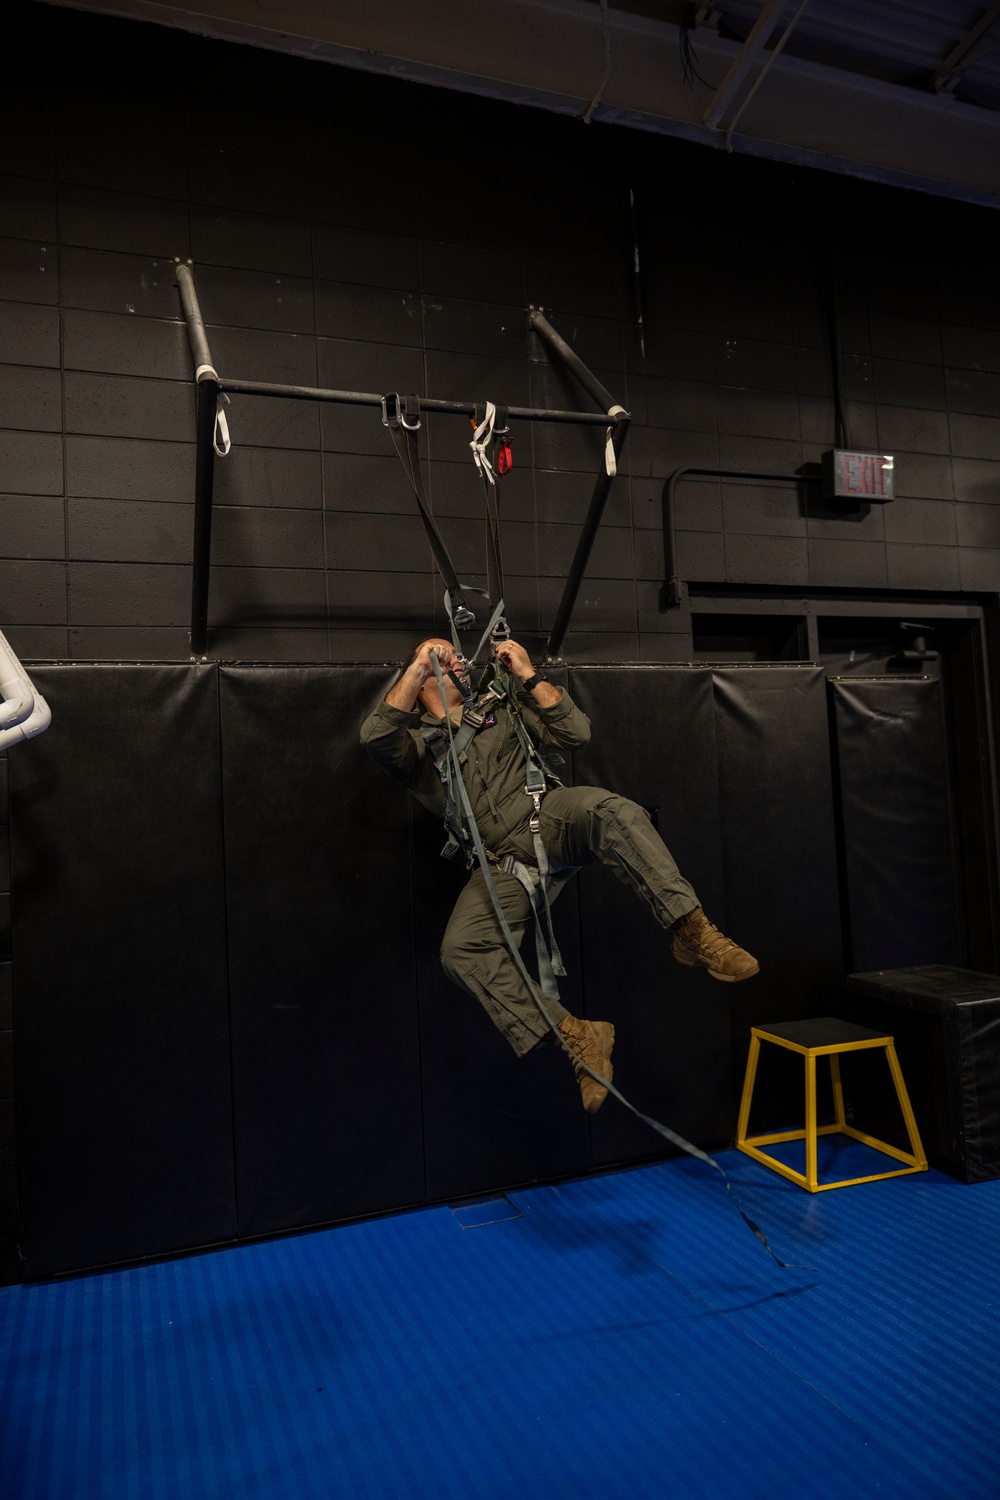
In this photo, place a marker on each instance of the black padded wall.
(122, 1066)
(326, 1052)
(896, 815)
(653, 740)
(779, 855)
(163, 1104)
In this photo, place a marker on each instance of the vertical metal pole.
(204, 484)
(207, 401)
(619, 419)
(585, 545)
(812, 1177)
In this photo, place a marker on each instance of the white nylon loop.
(221, 440)
(205, 372)
(610, 462)
(481, 439)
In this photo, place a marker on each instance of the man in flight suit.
(578, 826)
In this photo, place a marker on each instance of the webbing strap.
(490, 426)
(402, 416)
(610, 461)
(484, 864)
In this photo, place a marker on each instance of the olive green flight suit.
(579, 825)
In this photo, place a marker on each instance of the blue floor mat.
(626, 1336)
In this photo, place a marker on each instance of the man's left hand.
(516, 660)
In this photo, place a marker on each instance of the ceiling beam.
(948, 73)
(743, 62)
(548, 54)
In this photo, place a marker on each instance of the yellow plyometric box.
(825, 1037)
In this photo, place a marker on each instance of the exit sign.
(857, 476)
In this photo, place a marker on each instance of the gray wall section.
(326, 251)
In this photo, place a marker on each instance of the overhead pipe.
(24, 712)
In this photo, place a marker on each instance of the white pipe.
(40, 719)
(24, 712)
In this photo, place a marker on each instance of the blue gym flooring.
(619, 1336)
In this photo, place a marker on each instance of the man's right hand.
(421, 669)
(445, 655)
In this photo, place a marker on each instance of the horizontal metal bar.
(428, 403)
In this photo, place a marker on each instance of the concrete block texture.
(338, 238)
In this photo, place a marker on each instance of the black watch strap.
(532, 682)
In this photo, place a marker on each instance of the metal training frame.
(211, 387)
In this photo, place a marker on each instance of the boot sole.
(735, 978)
(692, 963)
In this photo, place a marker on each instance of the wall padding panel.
(653, 740)
(896, 814)
(326, 1052)
(779, 857)
(491, 1119)
(121, 1016)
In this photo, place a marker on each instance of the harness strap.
(484, 864)
(402, 414)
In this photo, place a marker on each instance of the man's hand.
(406, 691)
(445, 655)
(516, 660)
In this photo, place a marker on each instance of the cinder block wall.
(360, 232)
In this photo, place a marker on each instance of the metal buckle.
(395, 416)
(463, 615)
(534, 820)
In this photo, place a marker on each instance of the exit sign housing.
(861, 477)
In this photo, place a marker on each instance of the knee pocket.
(621, 809)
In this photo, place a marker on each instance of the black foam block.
(946, 1025)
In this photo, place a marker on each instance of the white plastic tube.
(23, 711)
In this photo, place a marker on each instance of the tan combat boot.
(591, 1043)
(699, 941)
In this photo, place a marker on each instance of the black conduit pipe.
(672, 592)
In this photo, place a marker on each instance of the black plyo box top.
(936, 988)
(823, 1031)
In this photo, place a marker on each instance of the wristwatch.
(532, 682)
